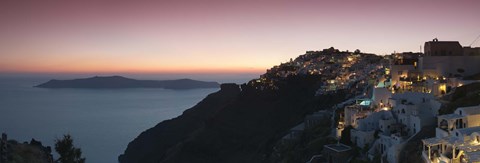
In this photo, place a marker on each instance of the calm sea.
(102, 122)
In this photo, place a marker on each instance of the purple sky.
(216, 36)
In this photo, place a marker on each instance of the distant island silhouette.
(115, 82)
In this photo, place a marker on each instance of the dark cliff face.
(153, 143)
(230, 125)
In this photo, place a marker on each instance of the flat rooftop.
(450, 116)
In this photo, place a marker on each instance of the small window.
(456, 133)
(460, 112)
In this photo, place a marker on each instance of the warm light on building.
(443, 88)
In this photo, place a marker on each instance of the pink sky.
(216, 36)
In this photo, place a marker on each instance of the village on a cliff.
(405, 107)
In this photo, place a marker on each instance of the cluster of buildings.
(399, 97)
(384, 121)
(353, 69)
(437, 71)
(404, 100)
(338, 69)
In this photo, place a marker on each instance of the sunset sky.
(215, 36)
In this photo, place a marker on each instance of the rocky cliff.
(235, 124)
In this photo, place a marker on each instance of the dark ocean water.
(102, 122)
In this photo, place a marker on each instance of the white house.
(415, 110)
(457, 137)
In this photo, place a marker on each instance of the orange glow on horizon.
(109, 64)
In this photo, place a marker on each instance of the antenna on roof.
(476, 39)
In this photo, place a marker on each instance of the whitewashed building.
(457, 137)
